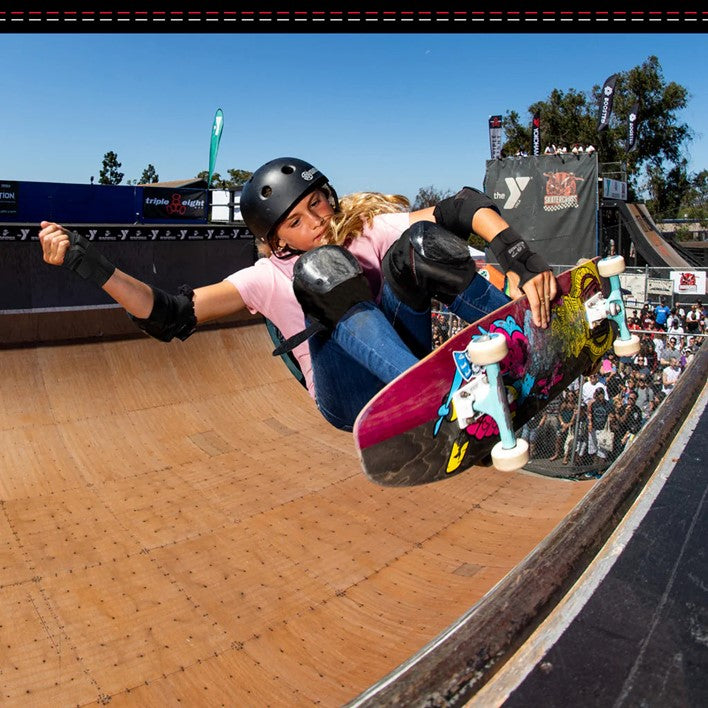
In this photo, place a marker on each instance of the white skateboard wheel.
(627, 347)
(487, 350)
(610, 266)
(508, 460)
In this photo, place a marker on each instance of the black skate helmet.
(274, 189)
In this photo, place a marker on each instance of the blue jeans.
(372, 345)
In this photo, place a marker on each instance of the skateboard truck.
(485, 394)
(598, 308)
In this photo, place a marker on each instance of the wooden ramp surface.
(179, 524)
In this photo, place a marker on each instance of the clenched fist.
(55, 242)
(73, 251)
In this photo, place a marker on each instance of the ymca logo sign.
(515, 186)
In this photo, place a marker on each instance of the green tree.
(656, 166)
(695, 202)
(149, 175)
(237, 178)
(429, 196)
(109, 173)
(566, 118)
(667, 190)
(216, 181)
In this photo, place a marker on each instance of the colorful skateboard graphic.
(464, 401)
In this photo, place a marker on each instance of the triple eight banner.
(551, 200)
(169, 204)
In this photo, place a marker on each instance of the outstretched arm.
(138, 298)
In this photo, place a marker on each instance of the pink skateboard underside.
(538, 363)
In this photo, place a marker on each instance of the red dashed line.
(369, 16)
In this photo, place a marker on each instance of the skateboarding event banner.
(536, 134)
(162, 203)
(495, 136)
(551, 200)
(8, 198)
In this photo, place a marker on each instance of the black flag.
(536, 134)
(608, 92)
(495, 129)
(632, 126)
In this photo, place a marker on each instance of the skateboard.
(463, 402)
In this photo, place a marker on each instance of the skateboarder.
(348, 284)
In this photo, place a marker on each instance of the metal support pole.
(578, 411)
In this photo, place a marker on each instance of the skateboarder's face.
(306, 224)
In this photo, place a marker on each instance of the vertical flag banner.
(216, 131)
(536, 134)
(606, 98)
(495, 124)
(632, 125)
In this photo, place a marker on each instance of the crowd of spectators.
(677, 320)
(597, 417)
(576, 149)
(593, 421)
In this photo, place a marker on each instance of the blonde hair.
(358, 210)
(355, 211)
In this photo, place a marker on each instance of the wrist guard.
(171, 315)
(84, 259)
(455, 213)
(514, 254)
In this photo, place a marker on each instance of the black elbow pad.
(455, 213)
(171, 316)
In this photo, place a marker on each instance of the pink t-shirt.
(266, 286)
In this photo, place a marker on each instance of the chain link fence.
(582, 431)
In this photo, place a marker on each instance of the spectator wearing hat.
(645, 396)
(590, 387)
(671, 351)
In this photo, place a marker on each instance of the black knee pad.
(328, 281)
(427, 262)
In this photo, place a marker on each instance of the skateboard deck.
(408, 434)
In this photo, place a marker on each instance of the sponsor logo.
(687, 282)
(605, 111)
(516, 249)
(309, 175)
(515, 185)
(561, 191)
(495, 122)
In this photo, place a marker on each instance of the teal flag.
(216, 131)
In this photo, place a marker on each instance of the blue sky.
(383, 112)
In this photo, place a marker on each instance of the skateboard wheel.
(607, 267)
(508, 460)
(489, 349)
(627, 347)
